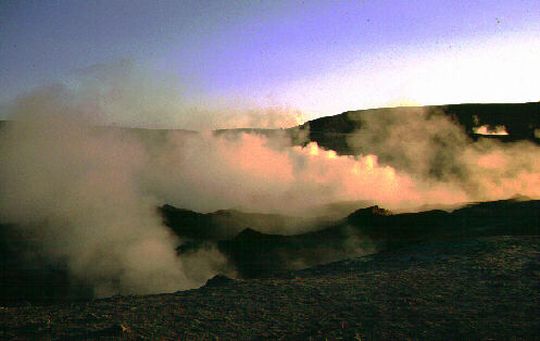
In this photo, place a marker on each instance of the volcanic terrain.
(352, 270)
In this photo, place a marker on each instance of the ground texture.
(484, 288)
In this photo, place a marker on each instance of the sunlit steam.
(487, 130)
(91, 193)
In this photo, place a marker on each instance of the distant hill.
(369, 273)
(520, 119)
(226, 224)
(246, 240)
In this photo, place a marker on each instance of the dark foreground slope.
(484, 288)
(27, 275)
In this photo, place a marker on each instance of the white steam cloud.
(79, 190)
(435, 152)
(91, 193)
(123, 94)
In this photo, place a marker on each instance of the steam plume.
(435, 151)
(91, 193)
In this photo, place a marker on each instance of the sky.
(318, 57)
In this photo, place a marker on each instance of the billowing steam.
(436, 152)
(91, 193)
(79, 190)
(123, 94)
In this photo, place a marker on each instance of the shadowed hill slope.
(225, 224)
(27, 276)
(520, 119)
(372, 230)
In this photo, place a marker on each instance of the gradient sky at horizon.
(321, 57)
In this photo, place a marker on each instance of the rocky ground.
(481, 288)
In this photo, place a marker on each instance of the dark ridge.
(193, 225)
(218, 281)
(331, 132)
(520, 120)
(368, 212)
(370, 230)
(27, 276)
(224, 224)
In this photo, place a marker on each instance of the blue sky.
(320, 57)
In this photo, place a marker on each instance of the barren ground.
(486, 288)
